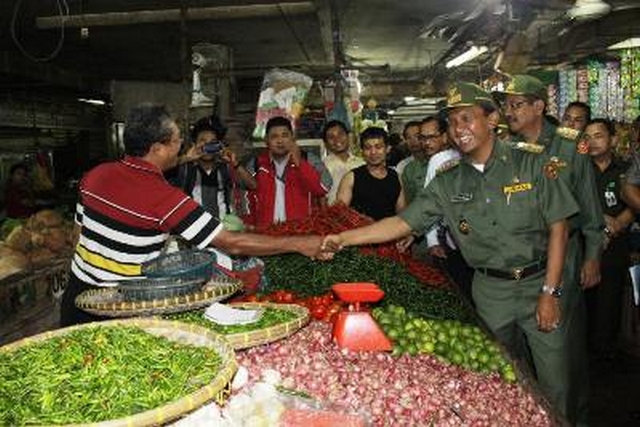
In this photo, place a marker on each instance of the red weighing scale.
(354, 328)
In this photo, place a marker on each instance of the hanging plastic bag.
(282, 94)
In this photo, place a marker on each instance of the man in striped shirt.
(127, 210)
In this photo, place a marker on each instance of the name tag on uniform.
(517, 188)
(462, 198)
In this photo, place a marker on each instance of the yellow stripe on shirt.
(103, 263)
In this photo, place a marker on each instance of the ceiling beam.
(174, 15)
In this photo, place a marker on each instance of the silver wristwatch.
(553, 290)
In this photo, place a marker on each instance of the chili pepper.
(65, 380)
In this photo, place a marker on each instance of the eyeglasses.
(514, 106)
(427, 138)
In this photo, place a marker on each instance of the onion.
(392, 391)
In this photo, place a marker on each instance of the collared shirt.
(126, 212)
(413, 177)
(577, 172)
(499, 216)
(609, 186)
(438, 160)
(338, 168)
(402, 164)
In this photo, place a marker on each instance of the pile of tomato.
(322, 307)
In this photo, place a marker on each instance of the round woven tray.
(269, 334)
(110, 302)
(272, 333)
(180, 332)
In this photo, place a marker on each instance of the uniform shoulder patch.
(448, 165)
(529, 147)
(567, 133)
(582, 147)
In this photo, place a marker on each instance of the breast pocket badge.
(464, 226)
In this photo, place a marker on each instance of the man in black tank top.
(373, 189)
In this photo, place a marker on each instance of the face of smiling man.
(471, 130)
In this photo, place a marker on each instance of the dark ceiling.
(392, 41)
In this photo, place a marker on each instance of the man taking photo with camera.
(209, 171)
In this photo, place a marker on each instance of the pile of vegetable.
(464, 345)
(337, 218)
(393, 391)
(322, 307)
(270, 317)
(299, 274)
(98, 374)
(34, 242)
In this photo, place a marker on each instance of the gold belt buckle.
(517, 273)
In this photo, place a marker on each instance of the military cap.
(522, 84)
(465, 94)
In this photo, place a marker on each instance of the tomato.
(251, 298)
(318, 312)
(327, 299)
(287, 297)
(315, 301)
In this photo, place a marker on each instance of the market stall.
(442, 367)
(34, 263)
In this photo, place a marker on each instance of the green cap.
(522, 84)
(465, 94)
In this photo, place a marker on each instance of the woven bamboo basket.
(272, 333)
(269, 334)
(181, 332)
(110, 302)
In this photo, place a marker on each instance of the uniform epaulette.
(568, 133)
(448, 165)
(528, 147)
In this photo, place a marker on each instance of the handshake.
(322, 248)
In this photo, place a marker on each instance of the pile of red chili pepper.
(339, 217)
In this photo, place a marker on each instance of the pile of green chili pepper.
(98, 374)
(270, 317)
(306, 277)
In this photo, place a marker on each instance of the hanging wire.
(63, 12)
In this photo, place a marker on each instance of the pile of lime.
(457, 343)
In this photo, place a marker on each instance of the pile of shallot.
(404, 391)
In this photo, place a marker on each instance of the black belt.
(516, 273)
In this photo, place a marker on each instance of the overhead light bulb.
(626, 44)
(92, 101)
(467, 56)
(588, 9)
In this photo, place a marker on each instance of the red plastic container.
(358, 292)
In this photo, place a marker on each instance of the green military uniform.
(413, 178)
(568, 157)
(500, 216)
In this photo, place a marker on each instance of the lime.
(393, 333)
(428, 347)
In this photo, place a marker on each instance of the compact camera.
(213, 147)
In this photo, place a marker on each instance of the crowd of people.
(531, 223)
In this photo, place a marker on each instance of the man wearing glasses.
(524, 104)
